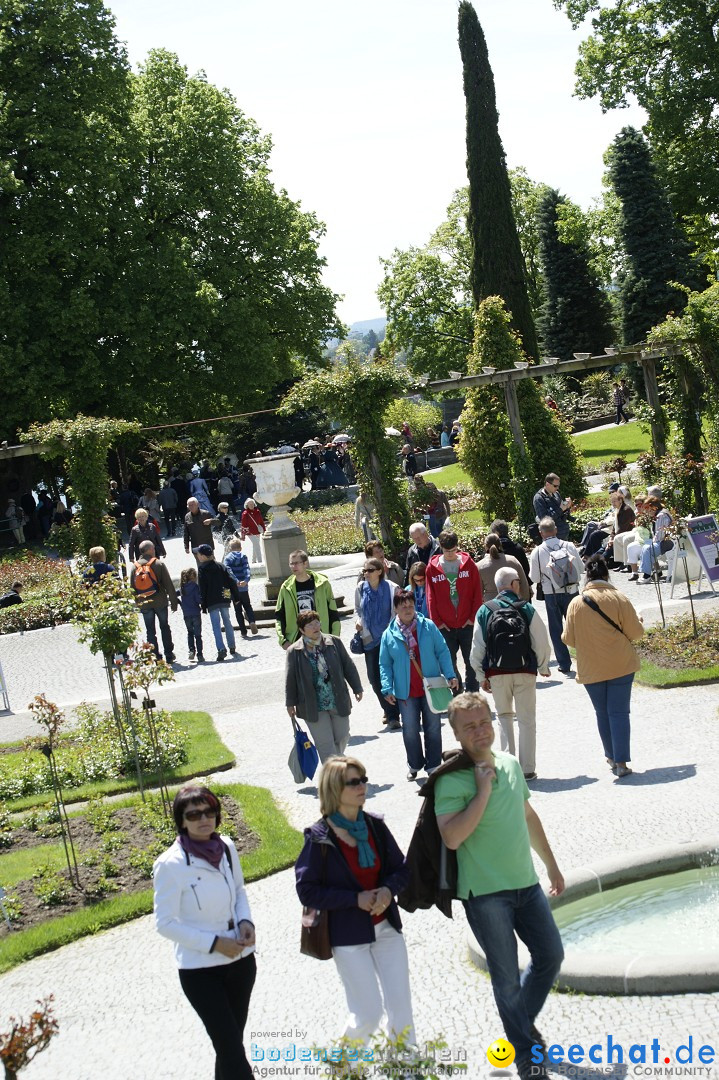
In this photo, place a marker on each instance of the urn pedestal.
(276, 487)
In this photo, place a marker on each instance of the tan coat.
(488, 567)
(602, 652)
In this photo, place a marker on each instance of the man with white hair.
(422, 548)
(511, 644)
(198, 527)
(557, 566)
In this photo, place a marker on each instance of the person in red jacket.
(454, 596)
(253, 525)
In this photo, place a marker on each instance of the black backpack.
(507, 640)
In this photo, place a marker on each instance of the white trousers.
(376, 980)
(256, 541)
(621, 543)
(516, 695)
(634, 551)
(330, 733)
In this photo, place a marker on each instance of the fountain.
(644, 923)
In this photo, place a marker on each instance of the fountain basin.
(639, 923)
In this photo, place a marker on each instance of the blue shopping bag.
(306, 752)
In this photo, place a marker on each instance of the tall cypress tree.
(655, 249)
(497, 264)
(576, 312)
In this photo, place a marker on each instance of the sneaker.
(621, 770)
(412, 774)
(530, 776)
(222, 654)
(233, 651)
(633, 577)
(243, 633)
(394, 725)
(253, 628)
(200, 658)
(564, 670)
(191, 654)
(538, 1039)
(170, 658)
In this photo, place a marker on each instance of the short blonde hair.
(465, 703)
(141, 512)
(97, 554)
(332, 782)
(235, 544)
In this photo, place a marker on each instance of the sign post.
(703, 532)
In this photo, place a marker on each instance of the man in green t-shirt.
(484, 815)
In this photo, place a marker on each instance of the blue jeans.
(148, 615)
(494, 920)
(410, 711)
(611, 704)
(194, 633)
(217, 614)
(648, 561)
(557, 604)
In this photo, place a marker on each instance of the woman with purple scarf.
(201, 905)
(373, 614)
(413, 649)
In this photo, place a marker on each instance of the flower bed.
(45, 594)
(675, 646)
(330, 530)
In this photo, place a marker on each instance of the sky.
(365, 108)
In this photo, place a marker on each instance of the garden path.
(118, 1000)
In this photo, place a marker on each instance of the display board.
(704, 535)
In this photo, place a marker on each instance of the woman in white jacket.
(201, 905)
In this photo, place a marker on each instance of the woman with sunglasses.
(373, 614)
(351, 867)
(417, 585)
(201, 905)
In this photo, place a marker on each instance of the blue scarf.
(376, 608)
(358, 831)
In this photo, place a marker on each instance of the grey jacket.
(299, 688)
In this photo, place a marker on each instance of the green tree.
(426, 291)
(84, 444)
(506, 477)
(497, 265)
(419, 415)
(357, 392)
(656, 255)
(664, 54)
(576, 313)
(65, 203)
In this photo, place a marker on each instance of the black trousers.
(371, 659)
(244, 602)
(221, 998)
(460, 638)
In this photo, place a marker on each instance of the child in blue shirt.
(239, 568)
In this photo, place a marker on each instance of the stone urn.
(276, 486)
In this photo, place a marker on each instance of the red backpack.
(145, 582)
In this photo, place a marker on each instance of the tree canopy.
(665, 54)
(148, 266)
(497, 265)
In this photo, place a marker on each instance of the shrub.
(101, 888)
(52, 888)
(419, 415)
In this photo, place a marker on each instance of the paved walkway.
(118, 1001)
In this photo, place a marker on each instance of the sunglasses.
(357, 781)
(374, 570)
(195, 815)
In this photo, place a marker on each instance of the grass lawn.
(627, 441)
(672, 656)
(206, 753)
(17, 865)
(665, 678)
(279, 846)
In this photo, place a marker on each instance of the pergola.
(509, 377)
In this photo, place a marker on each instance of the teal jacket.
(434, 657)
(286, 609)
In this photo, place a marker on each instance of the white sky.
(365, 107)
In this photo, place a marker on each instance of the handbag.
(436, 688)
(665, 546)
(356, 644)
(315, 932)
(306, 751)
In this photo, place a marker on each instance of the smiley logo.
(500, 1054)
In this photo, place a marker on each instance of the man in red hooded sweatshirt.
(454, 596)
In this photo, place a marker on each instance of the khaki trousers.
(516, 695)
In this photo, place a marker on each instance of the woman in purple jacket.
(352, 867)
